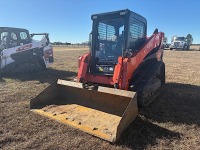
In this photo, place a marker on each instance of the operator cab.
(113, 35)
(12, 37)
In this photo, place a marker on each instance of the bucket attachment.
(104, 112)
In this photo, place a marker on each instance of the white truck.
(179, 43)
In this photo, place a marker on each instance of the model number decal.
(23, 48)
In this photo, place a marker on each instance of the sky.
(70, 20)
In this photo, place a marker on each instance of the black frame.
(17, 32)
(126, 14)
(104, 16)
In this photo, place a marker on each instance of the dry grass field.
(172, 121)
(195, 47)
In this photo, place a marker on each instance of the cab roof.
(12, 29)
(119, 12)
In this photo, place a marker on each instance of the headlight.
(111, 69)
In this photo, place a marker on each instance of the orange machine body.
(125, 67)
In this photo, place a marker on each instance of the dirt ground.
(172, 121)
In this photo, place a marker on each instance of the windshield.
(179, 39)
(110, 40)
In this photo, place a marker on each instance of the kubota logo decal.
(24, 47)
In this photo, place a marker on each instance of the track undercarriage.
(148, 82)
(30, 65)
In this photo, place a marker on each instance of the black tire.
(171, 48)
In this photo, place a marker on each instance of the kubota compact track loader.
(124, 68)
(19, 53)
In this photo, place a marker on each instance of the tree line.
(67, 43)
(61, 43)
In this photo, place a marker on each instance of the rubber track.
(22, 68)
(146, 83)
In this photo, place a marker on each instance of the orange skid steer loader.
(123, 69)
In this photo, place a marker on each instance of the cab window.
(13, 36)
(13, 39)
(23, 35)
(4, 35)
(3, 40)
(137, 34)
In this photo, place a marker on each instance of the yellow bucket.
(104, 112)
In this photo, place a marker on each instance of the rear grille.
(176, 44)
